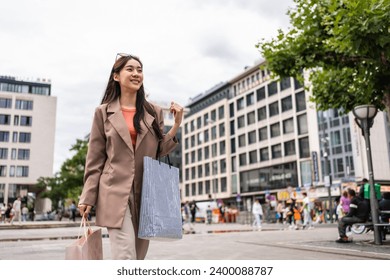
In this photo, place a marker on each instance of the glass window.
(16, 120)
(241, 140)
(193, 159)
(214, 150)
(223, 165)
(274, 109)
(300, 101)
(22, 171)
(213, 132)
(276, 151)
(221, 112)
(24, 154)
(285, 83)
(214, 115)
(200, 187)
(253, 157)
(272, 88)
(5, 119)
(242, 159)
(302, 124)
(186, 128)
(234, 165)
(289, 148)
(288, 126)
(262, 113)
(206, 119)
(264, 155)
(252, 137)
(275, 130)
(286, 103)
(260, 94)
(223, 184)
(240, 104)
(5, 103)
(231, 109)
(232, 130)
(199, 154)
(233, 145)
(24, 104)
(193, 189)
(335, 138)
(206, 152)
(241, 122)
(221, 129)
(192, 141)
(3, 170)
(199, 122)
(4, 136)
(207, 190)
(250, 99)
(3, 153)
(222, 147)
(187, 190)
(304, 150)
(251, 117)
(200, 170)
(12, 171)
(206, 135)
(193, 172)
(14, 137)
(263, 135)
(13, 154)
(207, 169)
(297, 84)
(187, 158)
(192, 123)
(200, 138)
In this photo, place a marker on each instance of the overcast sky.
(187, 46)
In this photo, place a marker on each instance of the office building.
(27, 130)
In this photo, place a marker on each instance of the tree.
(346, 46)
(68, 182)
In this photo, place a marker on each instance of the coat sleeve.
(96, 158)
(168, 143)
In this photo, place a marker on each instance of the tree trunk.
(386, 101)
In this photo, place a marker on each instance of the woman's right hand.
(84, 209)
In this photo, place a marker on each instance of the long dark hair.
(113, 91)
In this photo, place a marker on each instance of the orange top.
(128, 114)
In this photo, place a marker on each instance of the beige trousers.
(124, 243)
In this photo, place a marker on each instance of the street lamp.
(364, 118)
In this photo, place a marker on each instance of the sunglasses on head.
(119, 55)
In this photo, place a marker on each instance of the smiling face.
(131, 77)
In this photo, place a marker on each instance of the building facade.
(253, 136)
(27, 131)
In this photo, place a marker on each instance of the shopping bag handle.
(83, 225)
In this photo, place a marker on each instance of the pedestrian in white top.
(306, 212)
(16, 206)
(257, 213)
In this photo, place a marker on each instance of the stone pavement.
(47, 240)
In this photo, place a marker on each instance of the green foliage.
(68, 183)
(346, 46)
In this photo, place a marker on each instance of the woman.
(125, 128)
(345, 201)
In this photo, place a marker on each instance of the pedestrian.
(187, 217)
(193, 208)
(345, 201)
(73, 209)
(125, 129)
(257, 212)
(297, 216)
(306, 206)
(384, 205)
(24, 213)
(358, 213)
(17, 210)
(279, 212)
(3, 208)
(209, 215)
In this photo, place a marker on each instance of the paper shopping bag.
(88, 247)
(160, 215)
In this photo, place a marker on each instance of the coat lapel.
(146, 127)
(118, 122)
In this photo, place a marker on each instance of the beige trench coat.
(113, 170)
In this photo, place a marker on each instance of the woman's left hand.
(177, 112)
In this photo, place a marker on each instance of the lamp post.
(327, 177)
(364, 118)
